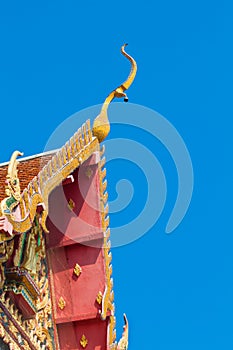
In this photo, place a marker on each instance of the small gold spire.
(101, 126)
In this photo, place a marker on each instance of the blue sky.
(60, 57)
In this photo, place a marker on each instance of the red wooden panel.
(83, 223)
(94, 330)
(80, 292)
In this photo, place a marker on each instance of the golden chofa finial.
(101, 126)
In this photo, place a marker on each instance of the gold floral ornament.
(71, 204)
(83, 341)
(99, 297)
(61, 303)
(89, 172)
(101, 126)
(77, 270)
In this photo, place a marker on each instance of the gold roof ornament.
(123, 343)
(12, 189)
(13, 186)
(101, 126)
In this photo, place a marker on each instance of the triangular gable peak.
(55, 260)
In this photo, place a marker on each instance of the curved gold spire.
(101, 126)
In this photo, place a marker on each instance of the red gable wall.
(76, 237)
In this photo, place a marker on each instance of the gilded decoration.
(26, 284)
(101, 126)
(89, 172)
(6, 250)
(18, 211)
(108, 296)
(99, 297)
(71, 204)
(83, 341)
(25, 303)
(12, 188)
(77, 270)
(61, 303)
(107, 302)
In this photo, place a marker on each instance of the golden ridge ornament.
(101, 126)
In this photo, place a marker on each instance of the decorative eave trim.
(38, 155)
(16, 326)
(108, 307)
(78, 149)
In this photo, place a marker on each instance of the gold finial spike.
(88, 123)
(101, 126)
(63, 155)
(54, 164)
(72, 145)
(68, 150)
(59, 160)
(84, 133)
(77, 141)
(80, 138)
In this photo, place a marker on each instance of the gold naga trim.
(78, 149)
(83, 341)
(101, 126)
(108, 296)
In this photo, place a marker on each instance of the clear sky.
(58, 57)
